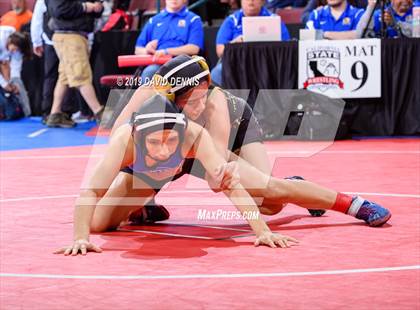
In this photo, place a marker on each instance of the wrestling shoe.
(373, 214)
(313, 212)
(149, 214)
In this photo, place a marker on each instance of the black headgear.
(180, 74)
(157, 113)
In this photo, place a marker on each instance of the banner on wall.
(341, 68)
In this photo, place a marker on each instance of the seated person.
(174, 31)
(18, 16)
(397, 17)
(313, 4)
(231, 31)
(338, 20)
(14, 46)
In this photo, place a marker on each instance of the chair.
(140, 5)
(150, 10)
(141, 10)
(292, 16)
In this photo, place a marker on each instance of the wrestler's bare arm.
(218, 121)
(205, 151)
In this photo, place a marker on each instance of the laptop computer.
(261, 28)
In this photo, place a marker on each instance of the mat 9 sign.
(341, 69)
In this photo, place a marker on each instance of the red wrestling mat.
(98, 132)
(186, 263)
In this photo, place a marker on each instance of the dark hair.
(22, 41)
(157, 113)
(121, 5)
(185, 73)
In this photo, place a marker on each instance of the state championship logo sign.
(323, 69)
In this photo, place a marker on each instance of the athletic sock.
(356, 203)
(347, 204)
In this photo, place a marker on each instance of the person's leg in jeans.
(23, 95)
(148, 73)
(5, 70)
(216, 74)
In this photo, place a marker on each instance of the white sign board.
(341, 68)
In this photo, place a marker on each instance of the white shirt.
(14, 58)
(38, 36)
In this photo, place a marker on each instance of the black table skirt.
(274, 65)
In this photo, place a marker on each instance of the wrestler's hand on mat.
(225, 177)
(273, 240)
(81, 245)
